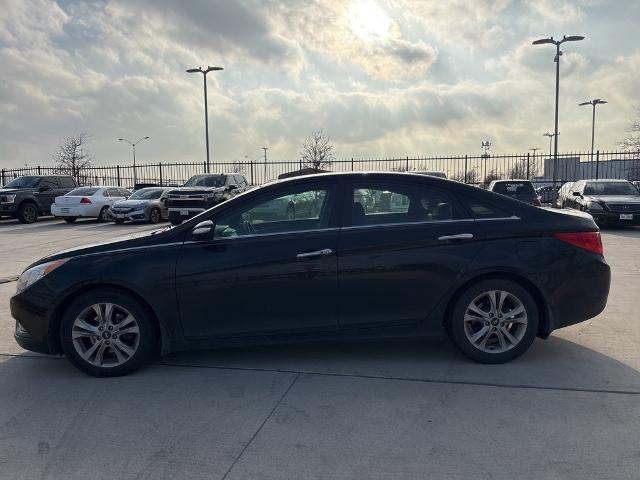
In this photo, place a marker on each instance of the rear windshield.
(517, 190)
(206, 181)
(610, 188)
(83, 192)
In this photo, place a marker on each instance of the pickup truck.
(201, 192)
(27, 197)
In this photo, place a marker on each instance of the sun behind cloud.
(368, 21)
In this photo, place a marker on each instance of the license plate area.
(184, 212)
(626, 216)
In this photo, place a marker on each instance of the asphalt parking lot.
(568, 409)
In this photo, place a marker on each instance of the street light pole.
(557, 43)
(265, 162)
(551, 137)
(206, 112)
(133, 147)
(594, 102)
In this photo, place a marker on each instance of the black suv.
(201, 192)
(27, 197)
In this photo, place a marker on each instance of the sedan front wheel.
(108, 333)
(494, 321)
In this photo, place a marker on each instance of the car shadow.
(555, 363)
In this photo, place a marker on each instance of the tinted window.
(519, 190)
(296, 210)
(23, 182)
(146, 194)
(206, 181)
(66, 182)
(113, 192)
(379, 204)
(124, 192)
(83, 192)
(484, 210)
(610, 188)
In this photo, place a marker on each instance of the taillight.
(589, 241)
(85, 201)
(536, 202)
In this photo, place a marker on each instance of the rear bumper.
(75, 211)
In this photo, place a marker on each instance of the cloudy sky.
(382, 77)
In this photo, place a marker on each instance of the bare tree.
(472, 177)
(71, 155)
(523, 169)
(317, 151)
(632, 142)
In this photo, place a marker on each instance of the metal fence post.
(39, 171)
(118, 174)
(160, 173)
(3, 177)
(597, 163)
(407, 164)
(352, 164)
(528, 166)
(251, 168)
(466, 161)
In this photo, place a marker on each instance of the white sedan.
(87, 202)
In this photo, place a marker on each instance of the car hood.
(196, 190)
(134, 240)
(6, 191)
(614, 198)
(132, 203)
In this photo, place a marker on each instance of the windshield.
(23, 182)
(610, 188)
(147, 194)
(82, 192)
(513, 188)
(206, 181)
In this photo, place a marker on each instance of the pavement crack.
(255, 434)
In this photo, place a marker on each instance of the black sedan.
(492, 272)
(610, 202)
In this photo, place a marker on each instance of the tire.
(115, 355)
(465, 324)
(27, 213)
(70, 219)
(102, 216)
(119, 221)
(155, 215)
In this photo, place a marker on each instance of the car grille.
(186, 201)
(624, 207)
(122, 210)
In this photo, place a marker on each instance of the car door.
(48, 190)
(263, 272)
(401, 250)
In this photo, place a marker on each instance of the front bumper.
(8, 209)
(32, 325)
(133, 216)
(615, 218)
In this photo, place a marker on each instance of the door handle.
(460, 236)
(317, 253)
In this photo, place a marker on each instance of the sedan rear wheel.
(494, 321)
(108, 333)
(102, 216)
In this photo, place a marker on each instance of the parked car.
(491, 271)
(87, 202)
(517, 189)
(144, 205)
(563, 193)
(202, 192)
(25, 198)
(547, 194)
(610, 202)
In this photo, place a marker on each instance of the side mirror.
(203, 231)
(577, 194)
(45, 188)
(231, 187)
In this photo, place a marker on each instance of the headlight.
(8, 198)
(594, 206)
(34, 274)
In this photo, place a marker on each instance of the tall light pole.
(557, 43)
(206, 113)
(534, 150)
(594, 102)
(265, 162)
(133, 147)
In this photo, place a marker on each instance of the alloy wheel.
(495, 321)
(105, 335)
